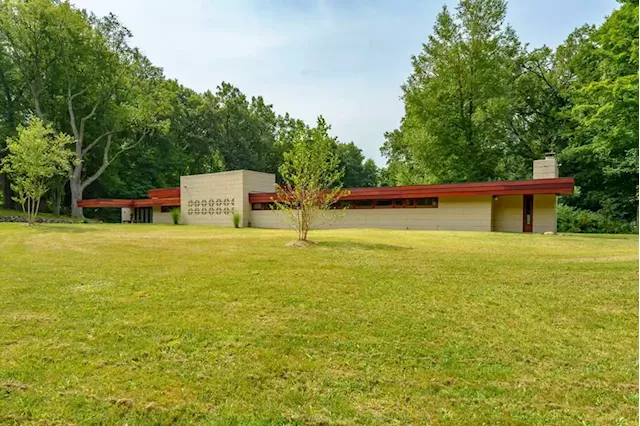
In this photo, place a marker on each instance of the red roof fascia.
(105, 202)
(146, 202)
(164, 192)
(151, 202)
(519, 187)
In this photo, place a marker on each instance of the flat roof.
(560, 186)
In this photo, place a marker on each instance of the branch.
(98, 139)
(72, 116)
(106, 161)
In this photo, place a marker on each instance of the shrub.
(571, 219)
(175, 215)
(235, 217)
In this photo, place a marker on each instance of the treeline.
(133, 128)
(480, 105)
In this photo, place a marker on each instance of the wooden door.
(527, 213)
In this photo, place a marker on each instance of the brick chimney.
(547, 168)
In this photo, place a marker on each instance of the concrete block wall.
(545, 215)
(507, 213)
(545, 169)
(452, 213)
(160, 217)
(211, 199)
(255, 182)
(126, 214)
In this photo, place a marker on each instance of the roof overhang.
(164, 192)
(559, 186)
(114, 203)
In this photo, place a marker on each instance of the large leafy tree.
(358, 171)
(602, 152)
(458, 100)
(82, 75)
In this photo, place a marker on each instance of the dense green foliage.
(196, 325)
(175, 215)
(133, 129)
(480, 106)
(571, 219)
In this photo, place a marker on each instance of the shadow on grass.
(354, 245)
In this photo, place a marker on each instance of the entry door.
(527, 213)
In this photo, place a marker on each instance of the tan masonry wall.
(211, 199)
(125, 214)
(545, 213)
(507, 213)
(255, 182)
(452, 213)
(159, 217)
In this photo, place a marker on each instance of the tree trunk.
(57, 200)
(76, 195)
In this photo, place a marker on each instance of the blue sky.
(344, 59)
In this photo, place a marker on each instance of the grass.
(153, 324)
(8, 212)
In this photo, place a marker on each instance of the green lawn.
(7, 212)
(147, 324)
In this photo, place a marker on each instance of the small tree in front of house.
(311, 176)
(35, 156)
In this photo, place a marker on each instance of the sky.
(343, 59)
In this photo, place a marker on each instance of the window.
(410, 203)
(427, 202)
(167, 209)
(364, 204)
(383, 204)
(261, 206)
(398, 203)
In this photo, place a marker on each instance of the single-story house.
(503, 206)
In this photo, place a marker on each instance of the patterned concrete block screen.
(211, 206)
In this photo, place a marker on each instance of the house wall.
(125, 214)
(211, 199)
(159, 217)
(255, 182)
(452, 213)
(507, 213)
(545, 217)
